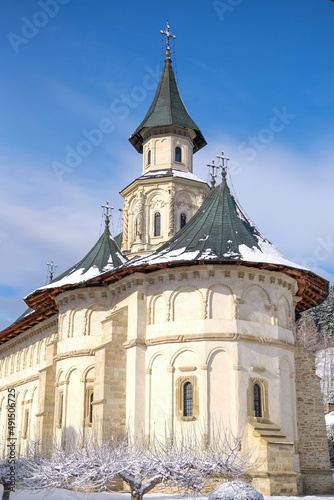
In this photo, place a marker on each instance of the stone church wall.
(312, 444)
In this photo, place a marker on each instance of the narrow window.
(157, 224)
(60, 409)
(26, 424)
(187, 399)
(91, 398)
(183, 220)
(149, 157)
(257, 401)
(178, 156)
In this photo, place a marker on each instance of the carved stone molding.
(74, 354)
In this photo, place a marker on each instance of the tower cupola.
(167, 136)
(167, 194)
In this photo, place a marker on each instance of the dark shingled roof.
(104, 256)
(219, 231)
(166, 109)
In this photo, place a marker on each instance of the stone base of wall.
(276, 484)
(317, 482)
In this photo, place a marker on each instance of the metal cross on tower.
(223, 166)
(168, 35)
(106, 213)
(212, 173)
(51, 269)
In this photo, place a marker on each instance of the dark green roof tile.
(220, 232)
(104, 256)
(166, 109)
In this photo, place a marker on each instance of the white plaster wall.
(287, 403)
(163, 153)
(74, 407)
(221, 400)
(208, 310)
(160, 392)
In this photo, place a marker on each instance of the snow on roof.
(103, 257)
(219, 231)
(79, 276)
(268, 253)
(171, 172)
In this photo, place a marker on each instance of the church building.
(184, 321)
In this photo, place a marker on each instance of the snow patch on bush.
(235, 490)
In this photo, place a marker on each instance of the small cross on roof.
(168, 35)
(106, 209)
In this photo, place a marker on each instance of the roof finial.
(168, 35)
(51, 269)
(223, 158)
(106, 213)
(212, 173)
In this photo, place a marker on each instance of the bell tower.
(167, 194)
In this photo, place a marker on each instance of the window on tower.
(178, 156)
(157, 224)
(149, 157)
(188, 399)
(183, 220)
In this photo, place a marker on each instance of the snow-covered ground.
(70, 495)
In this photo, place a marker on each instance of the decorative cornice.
(134, 343)
(209, 337)
(28, 334)
(19, 382)
(74, 354)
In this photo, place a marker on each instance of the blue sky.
(257, 77)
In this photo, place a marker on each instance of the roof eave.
(28, 322)
(137, 139)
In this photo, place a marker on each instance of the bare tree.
(11, 473)
(308, 334)
(325, 370)
(321, 345)
(182, 463)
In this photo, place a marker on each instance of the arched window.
(187, 399)
(157, 224)
(149, 157)
(183, 220)
(257, 401)
(178, 156)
